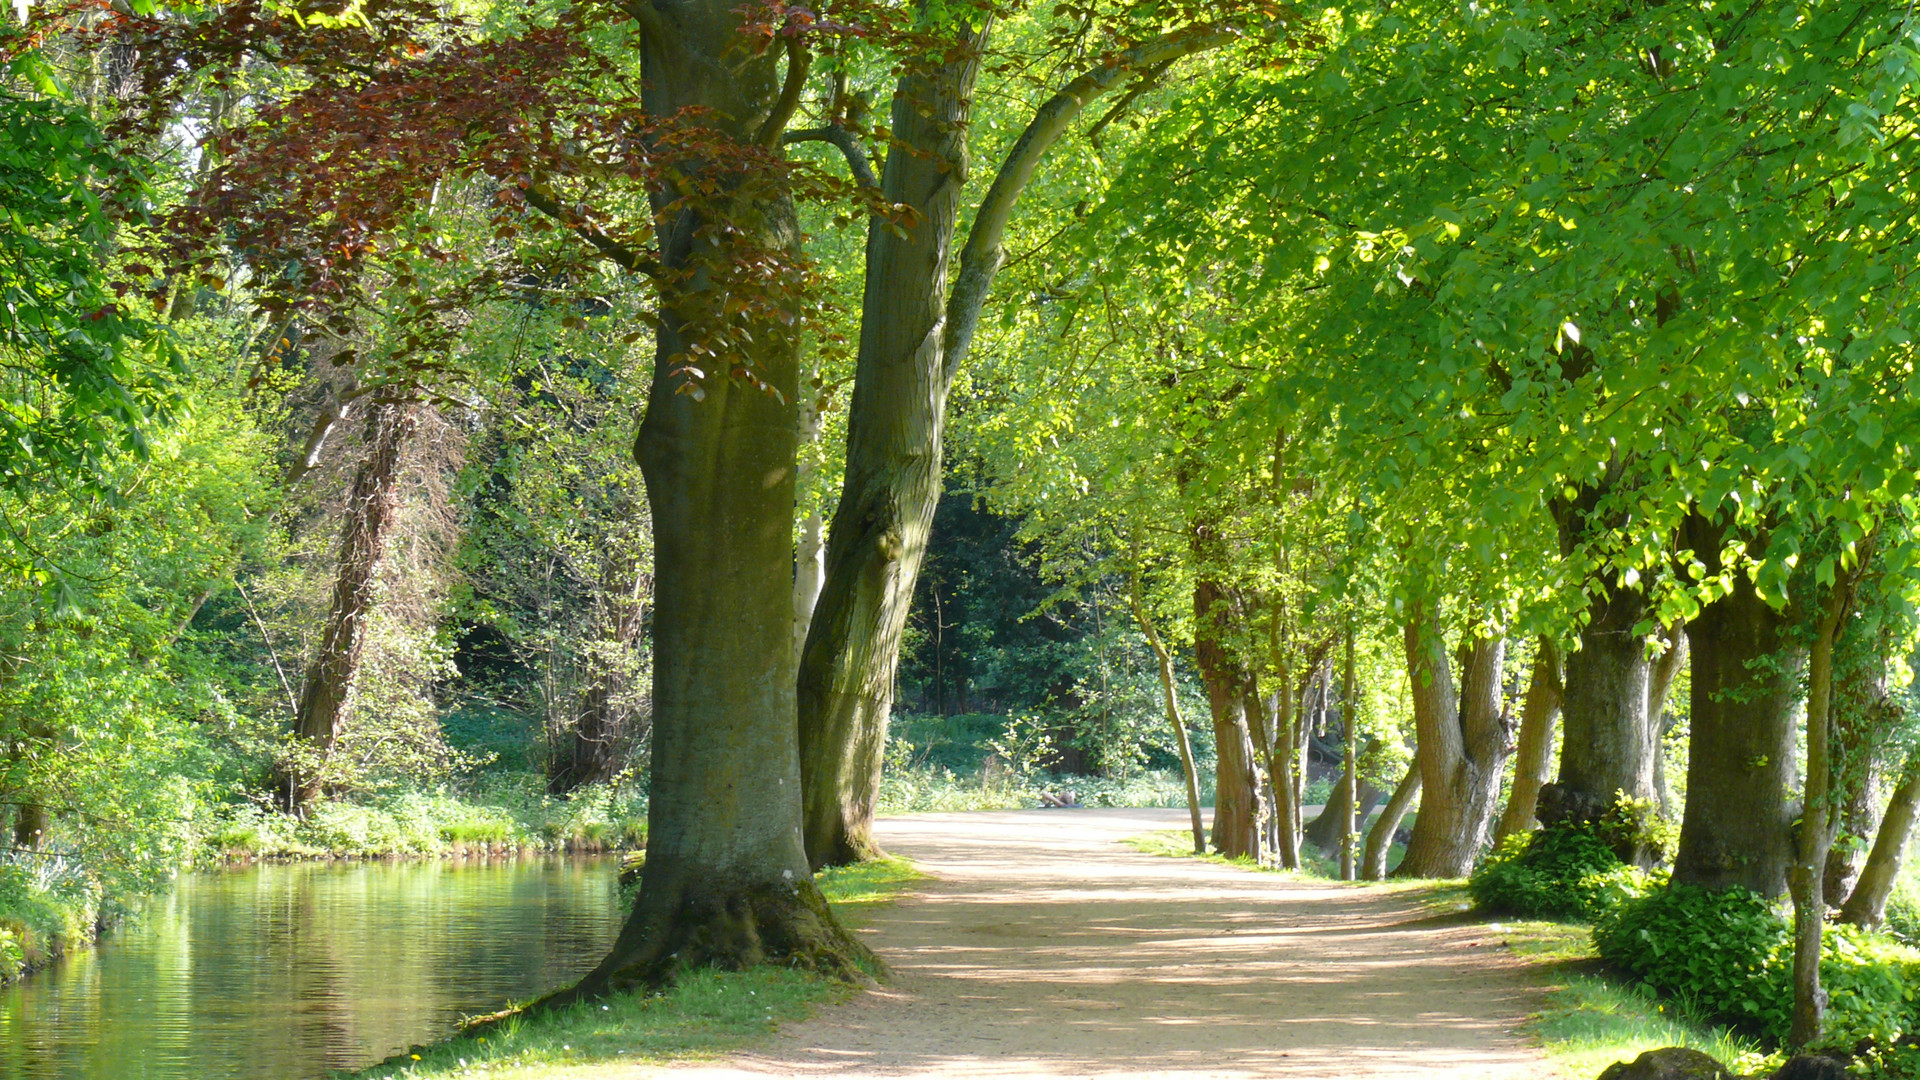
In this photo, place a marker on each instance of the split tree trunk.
(1867, 905)
(894, 432)
(1327, 829)
(373, 507)
(1461, 750)
(1738, 825)
(1380, 837)
(1533, 755)
(727, 882)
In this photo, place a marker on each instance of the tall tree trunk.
(1860, 710)
(1611, 742)
(810, 554)
(373, 507)
(1170, 700)
(1820, 819)
(914, 335)
(1380, 837)
(1273, 739)
(894, 431)
(1533, 755)
(1665, 668)
(1351, 813)
(1737, 829)
(727, 882)
(1867, 905)
(1236, 782)
(1461, 750)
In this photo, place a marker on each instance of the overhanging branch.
(857, 162)
(983, 255)
(612, 250)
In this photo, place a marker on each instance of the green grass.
(704, 1014)
(1591, 1020)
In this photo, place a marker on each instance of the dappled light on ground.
(1043, 947)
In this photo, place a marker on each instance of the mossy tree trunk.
(1867, 904)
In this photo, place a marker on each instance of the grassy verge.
(1592, 1020)
(704, 1014)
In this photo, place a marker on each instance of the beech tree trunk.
(726, 882)
(1867, 904)
(894, 434)
(1461, 750)
(1737, 828)
(373, 506)
(1533, 755)
(1380, 837)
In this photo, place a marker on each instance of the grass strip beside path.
(705, 1013)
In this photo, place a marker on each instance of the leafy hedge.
(1559, 873)
(1727, 956)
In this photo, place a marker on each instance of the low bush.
(1558, 873)
(1727, 956)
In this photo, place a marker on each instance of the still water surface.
(284, 972)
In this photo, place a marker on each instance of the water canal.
(282, 972)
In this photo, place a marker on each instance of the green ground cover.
(706, 1012)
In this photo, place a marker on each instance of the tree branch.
(857, 162)
(983, 255)
(612, 250)
(799, 62)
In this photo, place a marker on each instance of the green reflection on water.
(283, 972)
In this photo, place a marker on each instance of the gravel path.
(1042, 947)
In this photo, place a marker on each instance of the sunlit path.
(1045, 948)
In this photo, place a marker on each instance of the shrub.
(1557, 873)
(1727, 955)
(1714, 950)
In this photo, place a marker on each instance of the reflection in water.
(283, 972)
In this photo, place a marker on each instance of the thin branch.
(850, 148)
(1140, 86)
(293, 700)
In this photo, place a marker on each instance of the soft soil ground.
(1043, 947)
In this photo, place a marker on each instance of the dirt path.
(1044, 948)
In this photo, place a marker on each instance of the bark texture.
(1737, 829)
(894, 435)
(1461, 751)
(373, 507)
(726, 882)
(1533, 754)
(1611, 741)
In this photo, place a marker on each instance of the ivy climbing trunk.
(1533, 754)
(1737, 828)
(894, 430)
(373, 507)
(726, 881)
(1461, 749)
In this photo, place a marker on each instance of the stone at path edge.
(1669, 1063)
